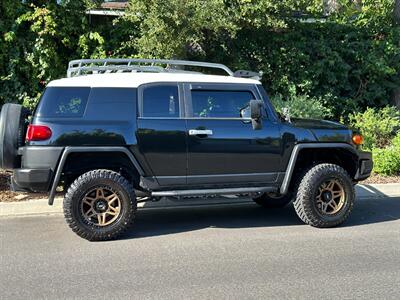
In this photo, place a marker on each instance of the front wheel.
(325, 196)
(100, 205)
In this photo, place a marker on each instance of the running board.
(226, 191)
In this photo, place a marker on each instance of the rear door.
(223, 147)
(162, 131)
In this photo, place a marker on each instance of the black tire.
(306, 204)
(273, 200)
(104, 180)
(12, 133)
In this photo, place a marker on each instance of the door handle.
(200, 132)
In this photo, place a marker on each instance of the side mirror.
(256, 114)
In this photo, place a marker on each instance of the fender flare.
(293, 159)
(69, 150)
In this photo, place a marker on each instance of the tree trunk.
(397, 12)
(331, 6)
(396, 98)
(396, 17)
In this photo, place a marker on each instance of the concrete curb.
(35, 207)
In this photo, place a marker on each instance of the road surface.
(214, 252)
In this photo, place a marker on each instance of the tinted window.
(112, 104)
(219, 104)
(160, 101)
(63, 102)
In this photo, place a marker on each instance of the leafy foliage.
(377, 126)
(301, 106)
(347, 61)
(387, 161)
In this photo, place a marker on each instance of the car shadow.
(158, 222)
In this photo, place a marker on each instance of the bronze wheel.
(101, 206)
(325, 196)
(331, 197)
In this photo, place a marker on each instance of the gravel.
(6, 195)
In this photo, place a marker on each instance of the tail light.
(358, 139)
(38, 133)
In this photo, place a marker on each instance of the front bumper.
(365, 165)
(31, 180)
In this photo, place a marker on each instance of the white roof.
(136, 79)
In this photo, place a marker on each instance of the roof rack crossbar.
(87, 66)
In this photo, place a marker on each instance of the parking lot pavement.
(225, 251)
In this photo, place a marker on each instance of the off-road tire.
(305, 201)
(13, 126)
(268, 201)
(78, 190)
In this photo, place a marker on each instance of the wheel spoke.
(333, 205)
(99, 193)
(324, 206)
(113, 209)
(88, 201)
(101, 218)
(336, 194)
(112, 198)
(90, 213)
(112, 212)
(330, 185)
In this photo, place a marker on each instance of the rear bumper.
(31, 180)
(365, 165)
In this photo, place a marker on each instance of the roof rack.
(117, 65)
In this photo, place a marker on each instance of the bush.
(301, 106)
(387, 160)
(377, 126)
(396, 141)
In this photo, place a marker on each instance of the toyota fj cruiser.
(116, 132)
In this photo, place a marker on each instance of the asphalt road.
(235, 252)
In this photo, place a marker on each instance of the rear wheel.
(273, 200)
(100, 205)
(325, 196)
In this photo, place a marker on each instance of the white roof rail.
(113, 65)
(88, 66)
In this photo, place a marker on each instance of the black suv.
(120, 131)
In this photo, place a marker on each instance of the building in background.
(107, 11)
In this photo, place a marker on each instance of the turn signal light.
(38, 133)
(358, 139)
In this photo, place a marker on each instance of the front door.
(223, 147)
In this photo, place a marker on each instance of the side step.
(225, 191)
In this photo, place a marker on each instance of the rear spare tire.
(12, 133)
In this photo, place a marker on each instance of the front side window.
(220, 104)
(67, 102)
(161, 101)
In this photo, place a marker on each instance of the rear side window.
(67, 102)
(160, 101)
(219, 104)
(112, 104)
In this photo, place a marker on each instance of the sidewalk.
(35, 207)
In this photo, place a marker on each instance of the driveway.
(212, 252)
